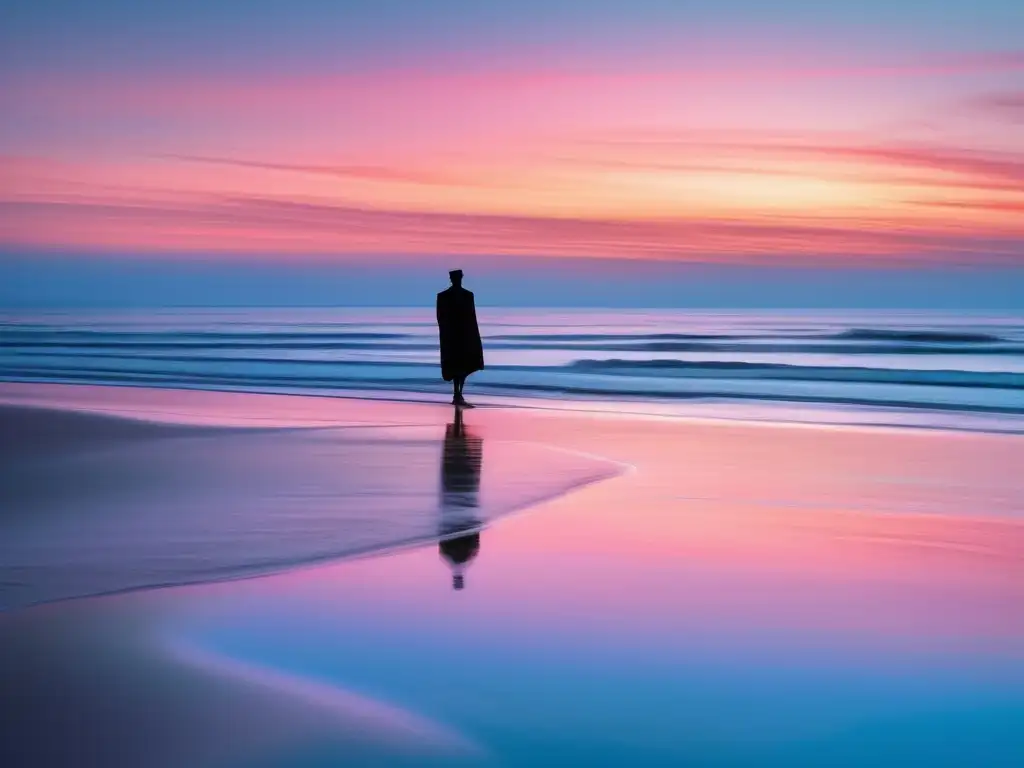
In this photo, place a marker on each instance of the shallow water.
(580, 657)
(747, 596)
(944, 371)
(132, 504)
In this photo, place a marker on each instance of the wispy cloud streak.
(262, 224)
(362, 172)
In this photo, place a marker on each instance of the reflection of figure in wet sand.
(461, 464)
(458, 552)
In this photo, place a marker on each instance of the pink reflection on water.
(905, 542)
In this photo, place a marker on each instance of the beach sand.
(676, 592)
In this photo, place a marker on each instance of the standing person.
(462, 352)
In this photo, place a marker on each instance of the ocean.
(942, 371)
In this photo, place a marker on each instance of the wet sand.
(105, 502)
(745, 595)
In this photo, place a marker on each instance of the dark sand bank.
(88, 685)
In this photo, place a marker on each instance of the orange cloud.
(268, 225)
(643, 159)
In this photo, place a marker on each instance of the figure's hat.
(455, 273)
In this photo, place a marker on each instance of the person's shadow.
(459, 528)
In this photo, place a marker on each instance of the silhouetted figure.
(461, 464)
(462, 351)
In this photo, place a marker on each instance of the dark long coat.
(462, 351)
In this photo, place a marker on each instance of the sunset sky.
(799, 134)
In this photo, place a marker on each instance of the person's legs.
(459, 399)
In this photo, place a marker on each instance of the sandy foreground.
(706, 592)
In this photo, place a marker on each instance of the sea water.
(946, 371)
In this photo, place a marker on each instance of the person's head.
(456, 276)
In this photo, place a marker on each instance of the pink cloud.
(991, 165)
(362, 172)
(1008, 106)
(429, 82)
(148, 153)
(988, 206)
(690, 150)
(268, 225)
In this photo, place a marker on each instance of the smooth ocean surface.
(947, 371)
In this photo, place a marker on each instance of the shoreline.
(69, 485)
(21, 391)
